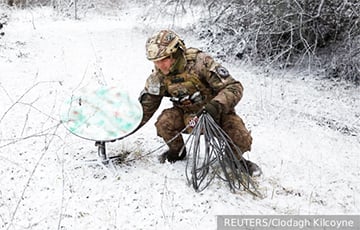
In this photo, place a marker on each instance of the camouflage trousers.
(173, 120)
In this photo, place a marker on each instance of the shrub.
(287, 33)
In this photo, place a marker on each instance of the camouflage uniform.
(195, 81)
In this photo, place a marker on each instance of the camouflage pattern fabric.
(163, 44)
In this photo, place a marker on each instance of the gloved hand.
(193, 121)
(172, 157)
(214, 109)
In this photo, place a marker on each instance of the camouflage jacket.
(202, 80)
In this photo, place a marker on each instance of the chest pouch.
(187, 91)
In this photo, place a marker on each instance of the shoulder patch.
(222, 72)
(153, 85)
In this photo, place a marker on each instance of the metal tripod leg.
(105, 159)
(105, 163)
(102, 152)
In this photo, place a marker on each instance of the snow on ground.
(306, 137)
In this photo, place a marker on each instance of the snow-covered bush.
(287, 33)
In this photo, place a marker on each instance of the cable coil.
(213, 154)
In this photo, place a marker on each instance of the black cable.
(215, 156)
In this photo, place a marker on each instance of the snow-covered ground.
(306, 136)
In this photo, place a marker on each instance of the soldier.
(194, 82)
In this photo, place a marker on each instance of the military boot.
(252, 168)
(172, 156)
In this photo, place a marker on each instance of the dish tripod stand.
(105, 159)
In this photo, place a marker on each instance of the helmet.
(162, 45)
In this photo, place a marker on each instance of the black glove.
(214, 109)
(171, 156)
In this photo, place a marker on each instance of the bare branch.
(45, 149)
(23, 95)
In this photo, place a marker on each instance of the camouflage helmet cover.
(163, 44)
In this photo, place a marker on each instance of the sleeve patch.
(153, 85)
(222, 72)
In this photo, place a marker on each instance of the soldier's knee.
(163, 126)
(235, 128)
(170, 120)
(246, 141)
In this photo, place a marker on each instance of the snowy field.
(306, 137)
